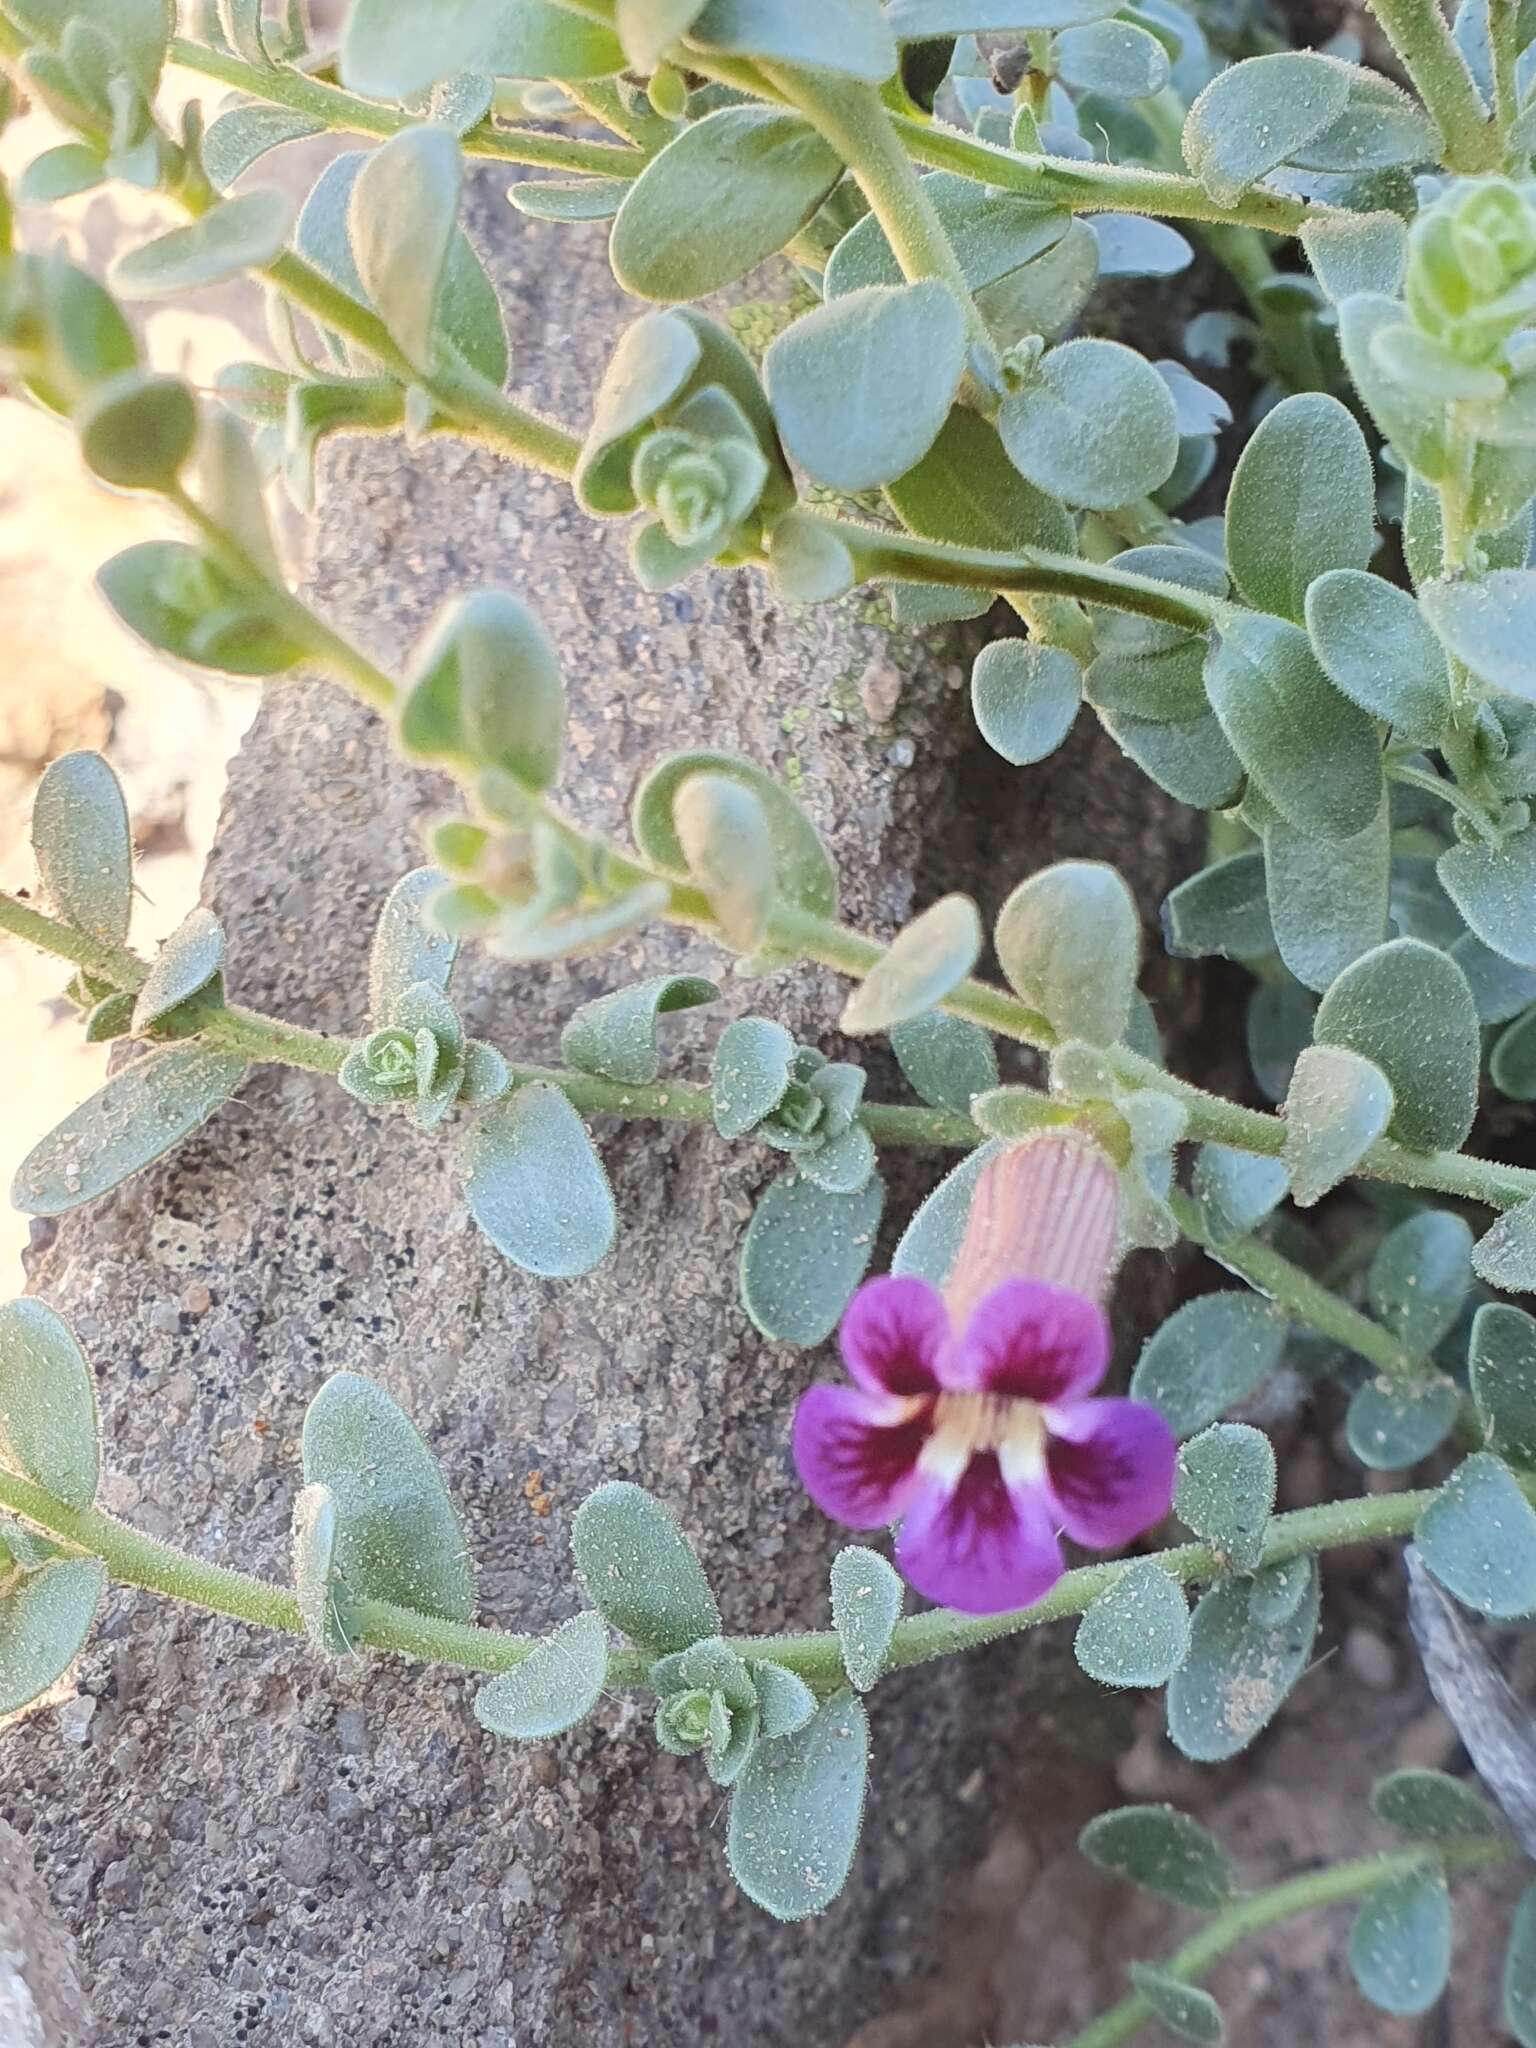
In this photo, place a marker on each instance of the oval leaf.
(1238, 1671)
(797, 1809)
(866, 1606)
(1478, 1537)
(556, 1685)
(44, 1621)
(1069, 940)
(639, 1569)
(140, 1114)
(617, 1035)
(536, 1186)
(84, 852)
(1302, 502)
(1339, 1103)
(1210, 1353)
(407, 950)
(804, 1253)
(1137, 1633)
(187, 962)
(1400, 1944)
(1096, 425)
(48, 1429)
(1164, 1852)
(920, 967)
(397, 1535)
(1406, 1007)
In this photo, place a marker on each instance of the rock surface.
(254, 1846)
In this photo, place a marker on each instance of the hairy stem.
(1270, 1273)
(135, 1559)
(1421, 36)
(347, 112)
(1304, 1894)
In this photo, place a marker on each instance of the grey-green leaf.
(1069, 941)
(861, 386)
(45, 1618)
(1328, 898)
(866, 1606)
(617, 1035)
(397, 1535)
(948, 1060)
(1406, 1007)
(929, 1244)
(804, 1253)
(1222, 909)
(1163, 1852)
(806, 876)
(48, 1429)
(235, 235)
(1489, 622)
(797, 1809)
(750, 1072)
(1374, 646)
(237, 139)
(536, 1186)
(141, 1112)
(81, 839)
(1184, 2009)
(1494, 888)
(313, 1534)
(415, 177)
(1478, 1537)
(1254, 115)
(1210, 1353)
(185, 965)
(849, 37)
(924, 962)
(1226, 1490)
(1238, 1671)
(639, 1569)
(1501, 1363)
(1235, 1190)
(1302, 502)
(1393, 1422)
(1314, 754)
(407, 949)
(556, 1685)
(1136, 1634)
(724, 195)
(1505, 1254)
(1025, 697)
(1400, 1944)
(1419, 1277)
(1095, 425)
(1433, 1807)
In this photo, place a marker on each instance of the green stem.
(1095, 187)
(882, 554)
(853, 119)
(1304, 1894)
(1504, 55)
(1420, 34)
(135, 1559)
(1448, 792)
(277, 1042)
(280, 85)
(1273, 1275)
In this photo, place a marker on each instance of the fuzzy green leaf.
(1025, 698)
(752, 1067)
(617, 1035)
(921, 966)
(414, 176)
(861, 387)
(947, 1060)
(1505, 1254)
(81, 840)
(1432, 1807)
(849, 37)
(1163, 1852)
(141, 1113)
(185, 965)
(1136, 1634)
(1221, 910)
(1478, 1537)
(1235, 1190)
(1184, 2009)
(407, 949)
(1400, 1944)
(48, 1428)
(1069, 941)
(1489, 622)
(1210, 1353)
(1238, 1671)
(1302, 503)
(45, 1618)
(1374, 646)
(1095, 425)
(866, 1606)
(1393, 1423)
(535, 1184)
(805, 875)
(639, 1569)
(1328, 898)
(1494, 888)
(1502, 1367)
(313, 1536)
(556, 1685)
(797, 1809)
(397, 1535)
(1419, 1277)
(721, 198)
(1406, 1007)
(804, 1253)
(1254, 115)
(234, 236)
(1226, 1490)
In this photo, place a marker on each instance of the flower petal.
(980, 1546)
(857, 1453)
(892, 1334)
(1110, 1469)
(1033, 1342)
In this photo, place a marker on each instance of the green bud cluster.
(711, 1701)
(1471, 278)
(816, 1121)
(421, 1058)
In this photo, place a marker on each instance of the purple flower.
(984, 1440)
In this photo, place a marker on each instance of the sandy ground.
(70, 676)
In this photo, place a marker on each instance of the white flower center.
(964, 1425)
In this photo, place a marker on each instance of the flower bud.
(1471, 279)
(1047, 1209)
